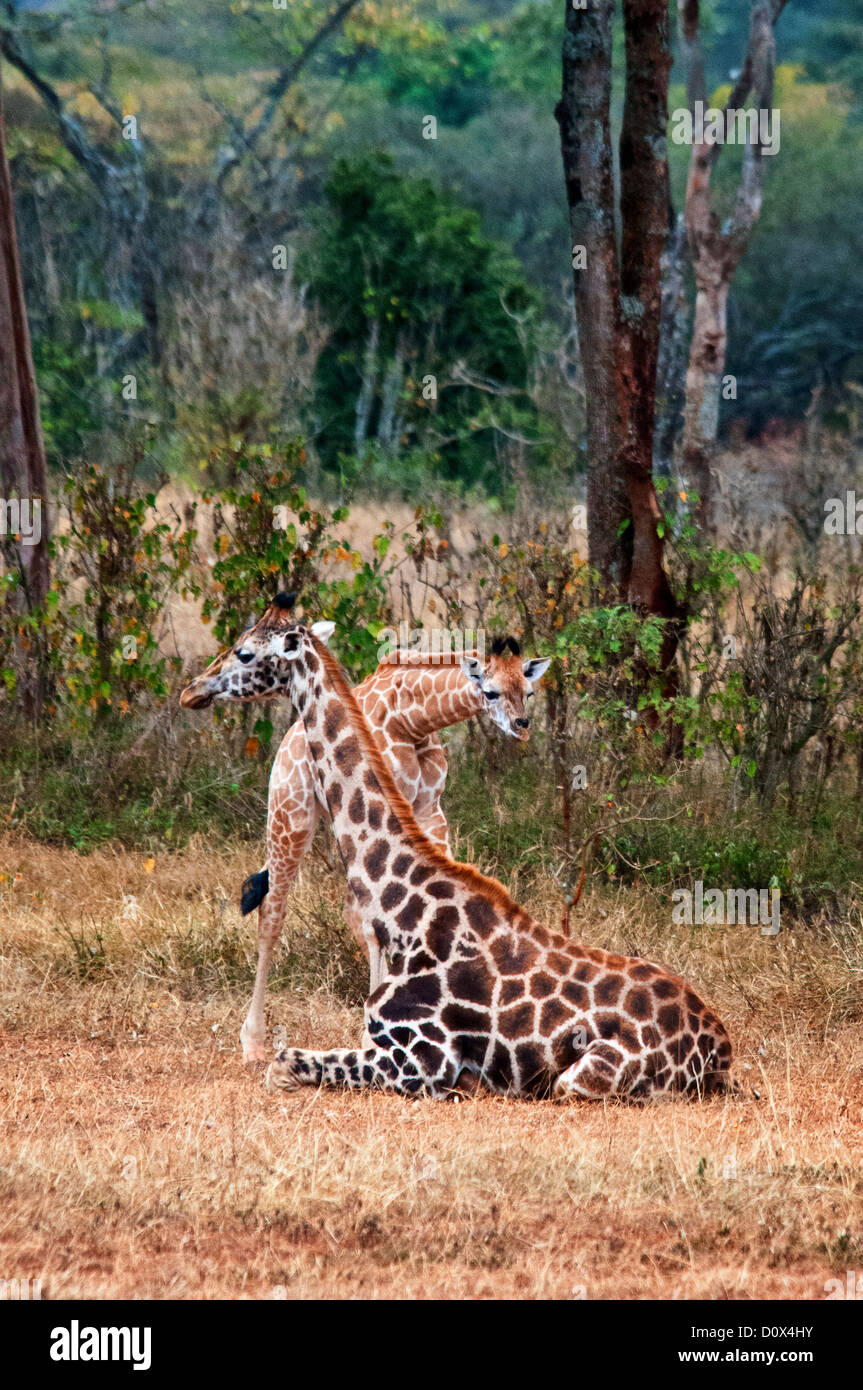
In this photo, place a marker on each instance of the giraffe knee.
(290, 1070)
(603, 1070)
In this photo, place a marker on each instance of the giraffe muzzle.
(195, 699)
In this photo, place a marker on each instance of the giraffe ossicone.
(477, 989)
(408, 700)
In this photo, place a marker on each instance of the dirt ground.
(139, 1159)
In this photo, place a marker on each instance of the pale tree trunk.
(23, 472)
(716, 249)
(673, 344)
(618, 294)
(389, 424)
(366, 395)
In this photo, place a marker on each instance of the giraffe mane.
(507, 647)
(422, 659)
(479, 882)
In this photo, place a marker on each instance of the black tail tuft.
(255, 889)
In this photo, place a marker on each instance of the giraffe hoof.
(255, 1054)
(255, 1058)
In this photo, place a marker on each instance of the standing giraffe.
(407, 701)
(476, 985)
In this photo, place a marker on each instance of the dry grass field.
(139, 1159)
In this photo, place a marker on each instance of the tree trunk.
(705, 370)
(22, 451)
(585, 134)
(366, 395)
(23, 470)
(716, 250)
(389, 429)
(618, 301)
(671, 362)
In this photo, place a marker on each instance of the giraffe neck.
(373, 827)
(394, 871)
(433, 698)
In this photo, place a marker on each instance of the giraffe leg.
(358, 1069)
(367, 940)
(271, 918)
(292, 819)
(604, 1069)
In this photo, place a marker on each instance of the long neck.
(373, 824)
(429, 698)
(401, 880)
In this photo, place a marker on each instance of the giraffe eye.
(245, 657)
(492, 694)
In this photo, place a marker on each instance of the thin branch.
(278, 88)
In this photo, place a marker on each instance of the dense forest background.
(404, 257)
(300, 289)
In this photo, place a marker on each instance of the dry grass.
(139, 1159)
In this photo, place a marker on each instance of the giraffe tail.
(255, 889)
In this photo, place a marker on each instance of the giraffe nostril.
(522, 723)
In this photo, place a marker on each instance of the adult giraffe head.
(257, 666)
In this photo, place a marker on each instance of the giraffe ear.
(323, 631)
(472, 668)
(535, 667)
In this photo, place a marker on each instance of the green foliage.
(413, 290)
(128, 562)
(796, 303)
(439, 71)
(95, 639)
(64, 784)
(519, 829)
(68, 396)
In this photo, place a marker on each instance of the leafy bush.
(95, 639)
(269, 537)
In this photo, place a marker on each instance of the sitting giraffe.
(477, 987)
(407, 701)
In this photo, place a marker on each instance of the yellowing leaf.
(149, 865)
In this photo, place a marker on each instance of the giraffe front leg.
(292, 818)
(271, 917)
(351, 1069)
(365, 938)
(434, 825)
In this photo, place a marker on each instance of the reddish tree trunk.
(618, 295)
(22, 452)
